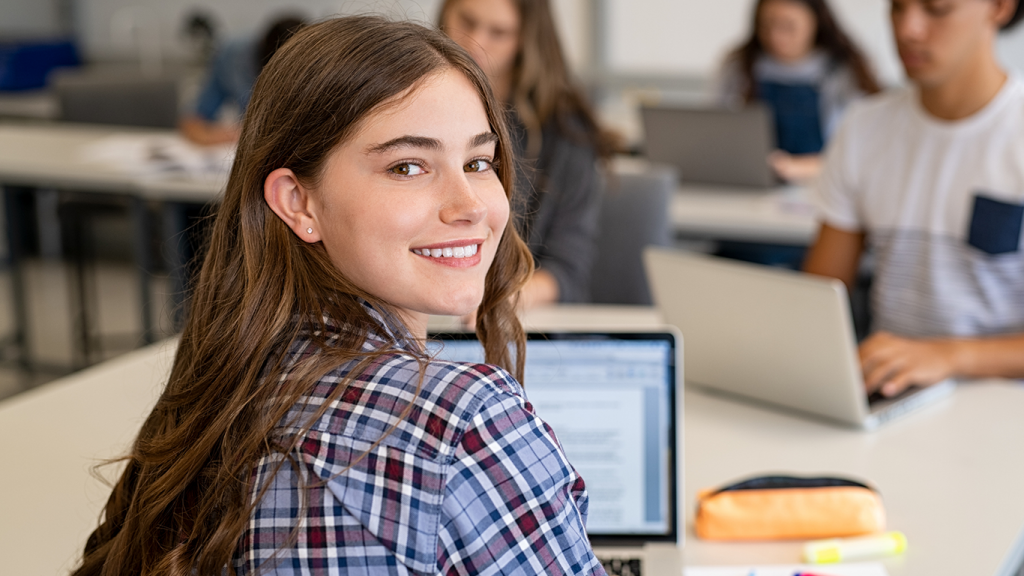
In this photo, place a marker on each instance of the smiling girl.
(303, 428)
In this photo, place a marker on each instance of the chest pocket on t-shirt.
(995, 225)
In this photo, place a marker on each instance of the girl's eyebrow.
(483, 139)
(428, 143)
(406, 142)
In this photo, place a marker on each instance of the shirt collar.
(390, 330)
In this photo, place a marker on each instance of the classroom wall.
(691, 37)
(674, 38)
(21, 18)
(124, 29)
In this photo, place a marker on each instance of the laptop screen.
(610, 398)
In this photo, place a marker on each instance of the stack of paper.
(850, 569)
(160, 155)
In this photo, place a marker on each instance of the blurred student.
(801, 64)
(931, 178)
(229, 82)
(554, 132)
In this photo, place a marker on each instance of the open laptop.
(773, 336)
(614, 400)
(712, 145)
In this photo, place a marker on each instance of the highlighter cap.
(840, 550)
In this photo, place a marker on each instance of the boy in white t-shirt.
(932, 178)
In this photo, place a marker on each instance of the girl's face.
(488, 30)
(410, 208)
(786, 29)
(936, 39)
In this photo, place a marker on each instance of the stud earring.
(309, 230)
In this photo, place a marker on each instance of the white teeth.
(455, 252)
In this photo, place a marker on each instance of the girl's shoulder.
(409, 403)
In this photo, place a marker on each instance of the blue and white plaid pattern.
(471, 481)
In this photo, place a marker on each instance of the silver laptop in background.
(712, 145)
(774, 336)
(614, 401)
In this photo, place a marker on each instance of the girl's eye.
(406, 169)
(478, 165)
(938, 8)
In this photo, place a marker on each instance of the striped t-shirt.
(942, 204)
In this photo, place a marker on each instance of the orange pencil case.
(788, 507)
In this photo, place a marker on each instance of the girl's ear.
(1004, 11)
(292, 203)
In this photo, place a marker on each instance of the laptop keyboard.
(621, 566)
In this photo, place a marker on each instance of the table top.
(950, 475)
(53, 437)
(56, 155)
(780, 215)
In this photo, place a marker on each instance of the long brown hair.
(829, 37)
(542, 88)
(181, 504)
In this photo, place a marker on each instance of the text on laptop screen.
(609, 401)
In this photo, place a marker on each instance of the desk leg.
(144, 262)
(185, 230)
(175, 247)
(14, 218)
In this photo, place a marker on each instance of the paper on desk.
(847, 569)
(159, 155)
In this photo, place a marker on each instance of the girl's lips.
(452, 244)
(459, 255)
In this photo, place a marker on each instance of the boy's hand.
(891, 363)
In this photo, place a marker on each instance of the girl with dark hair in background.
(304, 429)
(554, 132)
(800, 63)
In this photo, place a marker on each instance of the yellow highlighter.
(860, 548)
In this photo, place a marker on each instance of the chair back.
(634, 214)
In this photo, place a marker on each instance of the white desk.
(780, 216)
(52, 437)
(950, 475)
(52, 156)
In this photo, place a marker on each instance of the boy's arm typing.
(835, 254)
(892, 363)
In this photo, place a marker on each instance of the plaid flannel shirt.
(470, 482)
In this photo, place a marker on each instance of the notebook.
(712, 145)
(614, 402)
(772, 336)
